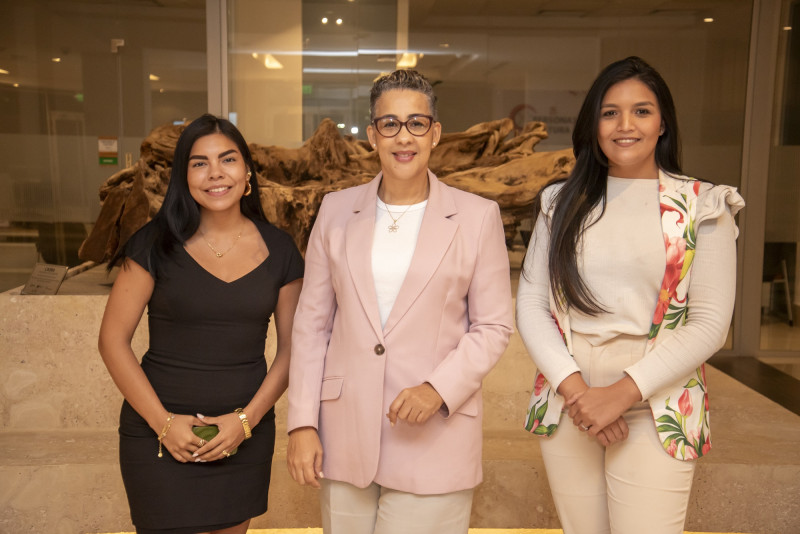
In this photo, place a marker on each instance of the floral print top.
(680, 411)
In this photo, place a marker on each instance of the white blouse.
(622, 260)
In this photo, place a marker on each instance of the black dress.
(206, 355)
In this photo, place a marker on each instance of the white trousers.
(347, 509)
(630, 487)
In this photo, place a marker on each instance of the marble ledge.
(86, 279)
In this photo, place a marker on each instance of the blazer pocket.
(470, 407)
(331, 388)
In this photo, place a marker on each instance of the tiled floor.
(790, 366)
(776, 377)
(767, 380)
(471, 531)
(777, 334)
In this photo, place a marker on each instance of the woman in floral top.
(627, 288)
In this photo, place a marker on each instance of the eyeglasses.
(417, 125)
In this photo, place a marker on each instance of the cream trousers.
(347, 509)
(631, 487)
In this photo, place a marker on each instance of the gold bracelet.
(245, 423)
(164, 432)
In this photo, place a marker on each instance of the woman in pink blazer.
(406, 306)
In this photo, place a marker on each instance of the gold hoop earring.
(248, 189)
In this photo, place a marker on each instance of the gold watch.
(245, 423)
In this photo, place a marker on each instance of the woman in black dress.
(211, 270)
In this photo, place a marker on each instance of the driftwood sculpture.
(482, 160)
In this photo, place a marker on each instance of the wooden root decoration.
(482, 159)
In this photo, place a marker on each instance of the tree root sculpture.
(482, 159)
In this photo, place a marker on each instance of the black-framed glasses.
(417, 125)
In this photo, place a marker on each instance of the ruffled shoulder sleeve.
(715, 201)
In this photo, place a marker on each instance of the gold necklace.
(216, 252)
(393, 227)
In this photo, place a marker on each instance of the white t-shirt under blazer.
(393, 244)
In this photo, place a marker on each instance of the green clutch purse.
(208, 432)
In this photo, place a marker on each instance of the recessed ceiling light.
(324, 20)
(254, 55)
(408, 60)
(339, 22)
(708, 19)
(787, 28)
(16, 85)
(271, 63)
(3, 71)
(354, 130)
(154, 78)
(56, 60)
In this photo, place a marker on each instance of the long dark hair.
(179, 216)
(585, 188)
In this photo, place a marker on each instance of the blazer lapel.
(435, 235)
(358, 249)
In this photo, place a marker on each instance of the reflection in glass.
(780, 301)
(78, 79)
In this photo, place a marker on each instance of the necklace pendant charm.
(393, 227)
(219, 253)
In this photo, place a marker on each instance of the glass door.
(81, 84)
(780, 294)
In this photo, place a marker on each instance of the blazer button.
(379, 349)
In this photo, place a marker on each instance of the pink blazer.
(449, 325)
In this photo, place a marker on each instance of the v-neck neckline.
(227, 282)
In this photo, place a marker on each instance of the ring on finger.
(201, 442)
(226, 454)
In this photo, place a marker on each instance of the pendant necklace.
(216, 252)
(394, 226)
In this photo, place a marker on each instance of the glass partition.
(524, 60)
(82, 83)
(489, 60)
(780, 301)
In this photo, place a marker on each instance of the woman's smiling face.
(628, 129)
(217, 174)
(404, 156)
